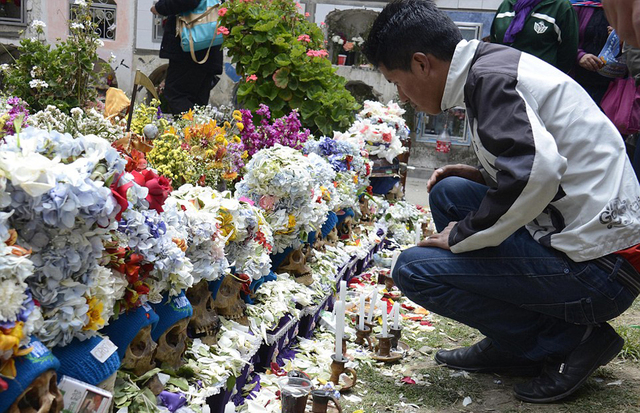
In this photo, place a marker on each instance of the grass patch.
(631, 348)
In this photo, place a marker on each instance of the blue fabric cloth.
(76, 361)
(28, 368)
(123, 330)
(277, 259)
(170, 311)
(256, 284)
(347, 213)
(382, 185)
(522, 9)
(529, 299)
(214, 286)
(329, 223)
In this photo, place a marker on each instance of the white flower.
(99, 43)
(4, 67)
(37, 84)
(34, 72)
(75, 25)
(38, 24)
(112, 58)
(80, 3)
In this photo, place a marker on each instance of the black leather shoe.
(484, 357)
(564, 375)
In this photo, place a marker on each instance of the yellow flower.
(96, 322)
(240, 126)
(188, 115)
(11, 342)
(236, 139)
(226, 224)
(237, 115)
(292, 221)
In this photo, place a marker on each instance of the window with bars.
(158, 30)
(12, 11)
(104, 15)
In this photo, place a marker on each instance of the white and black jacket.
(557, 163)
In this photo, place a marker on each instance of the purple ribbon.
(522, 8)
(172, 401)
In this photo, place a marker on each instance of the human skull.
(344, 228)
(332, 239)
(228, 302)
(140, 355)
(296, 265)
(42, 396)
(396, 193)
(173, 343)
(320, 243)
(204, 323)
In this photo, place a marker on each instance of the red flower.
(159, 187)
(120, 194)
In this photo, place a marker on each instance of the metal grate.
(104, 15)
(158, 30)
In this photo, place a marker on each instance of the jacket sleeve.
(521, 152)
(171, 7)
(568, 48)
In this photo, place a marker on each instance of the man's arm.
(624, 16)
(516, 144)
(171, 7)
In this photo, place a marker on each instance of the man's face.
(421, 86)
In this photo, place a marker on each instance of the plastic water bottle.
(443, 147)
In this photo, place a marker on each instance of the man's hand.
(154, 11)
(463, 171)
(624, 16)
(590, 62)
(439, 240)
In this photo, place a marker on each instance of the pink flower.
(306, 14)
(223, 30)
(348, 46)
(304, 38)
(317, 53)
(298, 5)
(267, 202)
(222, 11)
(252, 78)
(322, 24)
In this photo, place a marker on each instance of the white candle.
(418, 235)
(393, 261)
(339, 328)
(343, 291)
(361, 314)
(396, 315)
(383, 304)
(372, 305)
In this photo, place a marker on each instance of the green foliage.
(62, 76)
(268, 43)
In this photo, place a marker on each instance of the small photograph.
(91, 403)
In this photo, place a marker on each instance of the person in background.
(624, 16)
(547, 29)
(539, 246)
(593, 33)
(187, 83)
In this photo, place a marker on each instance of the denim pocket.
(596, 279)
(574, 312)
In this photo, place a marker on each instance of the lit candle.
(361, 314)
(393, 261)
(339, 328)
(396, 315)
(372, 305)
(343, 291)
(383, 304)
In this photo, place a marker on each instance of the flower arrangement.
(286, 131)
(282, 182)
(218, 152)
(170, 160)
(63, 212)
(12, 108)
(77, 122)
(378, 130)
(144, 115)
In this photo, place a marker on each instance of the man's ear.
(421, 63)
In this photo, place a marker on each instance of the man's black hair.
(405, 27)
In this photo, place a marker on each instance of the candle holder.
(383, 350)
(388, 282)
(364, 335)
(395, 339)
(346, 338)
(337, 368)
(366, 323)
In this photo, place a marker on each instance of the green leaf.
(265, 27)
(261, 53)
(237, 30)
(231, 381)
(245, 88)
(268, 90)
(248, 40)
(285, 94)
(282, 60)
(281, 78)
(293, 83)
(260, 37)
(180, 383)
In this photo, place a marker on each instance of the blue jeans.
(529, 299)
